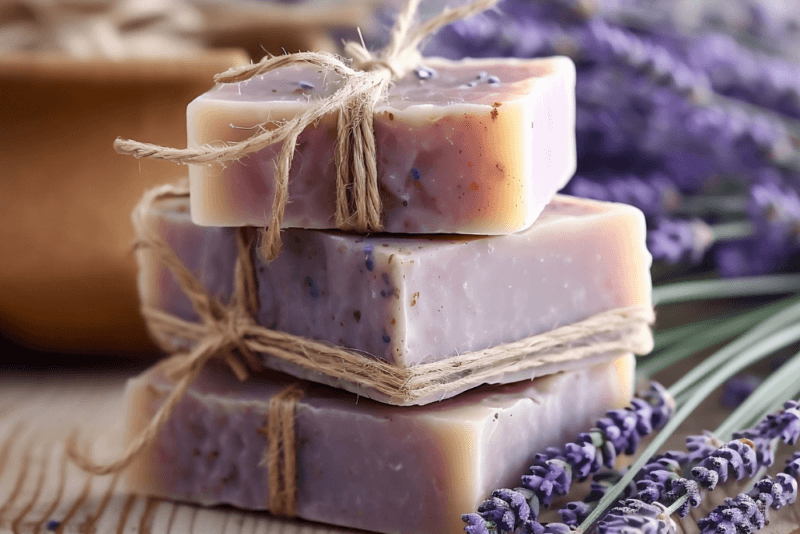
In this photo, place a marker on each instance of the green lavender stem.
(702, 390)
(670, 336)
(764, 329)
(715, 289)
(780, 385)
(709, 336)
(732, 230)
(699, 205)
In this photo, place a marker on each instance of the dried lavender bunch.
(709, 462)
(620, 431)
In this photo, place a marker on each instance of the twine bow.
(229, 332)
(223, 330)
(358, 203)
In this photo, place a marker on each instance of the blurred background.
(687, 109)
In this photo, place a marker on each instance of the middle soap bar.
(414, 300)
(468, 147)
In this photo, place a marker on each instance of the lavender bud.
(574, 513)
(649, 491)
(517, 502)
(700, 447)
(582, 455)
(793, 466)
(790, 424)
(475, 524)
(498, 512)
(679, 487)
(548, 480)
(741, 514)
(737, 389)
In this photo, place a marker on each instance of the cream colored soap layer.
(362, 464)
(456, 153)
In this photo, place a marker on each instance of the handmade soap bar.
(359, 463)
(472, 146)
(411, 301)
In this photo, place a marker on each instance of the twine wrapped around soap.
(358, 203)
(230, 332)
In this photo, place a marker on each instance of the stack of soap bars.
(508, 312)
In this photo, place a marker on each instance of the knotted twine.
(367, 81)
(230, 332)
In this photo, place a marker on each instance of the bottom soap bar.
(359, 463)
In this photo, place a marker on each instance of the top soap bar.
(470, 146)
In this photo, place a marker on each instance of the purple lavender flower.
(573, 513)
(793, 466)
(775, 493)
(784, 425)
(632, 515)
(676, 240)
(775, 209)
(518, 502)
(737, 458)
(700, 447)
(653, 479)
(749, 257)
(475, 524)
(549, 479)
(584, 455)
(741, 514)
(624, 428)
(499, 512)
(552, 470)
(737, 389)
(790, 423)
(680, 487)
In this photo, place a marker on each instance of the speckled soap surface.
(472, 146)
(361, 464)
(411, 300)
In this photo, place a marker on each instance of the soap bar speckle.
(361, 464)
(437, 132)
(410, 300)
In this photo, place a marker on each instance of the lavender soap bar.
(470, 147)
(411, 301)
(359, 463)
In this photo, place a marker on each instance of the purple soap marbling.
(471, 146)
(361, 464)
(414, 300)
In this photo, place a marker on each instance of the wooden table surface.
(41, 492)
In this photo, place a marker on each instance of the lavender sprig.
(551, 474)
(749, 355)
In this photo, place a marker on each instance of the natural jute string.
(358, 203)
(230, 332)
(281, 453)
